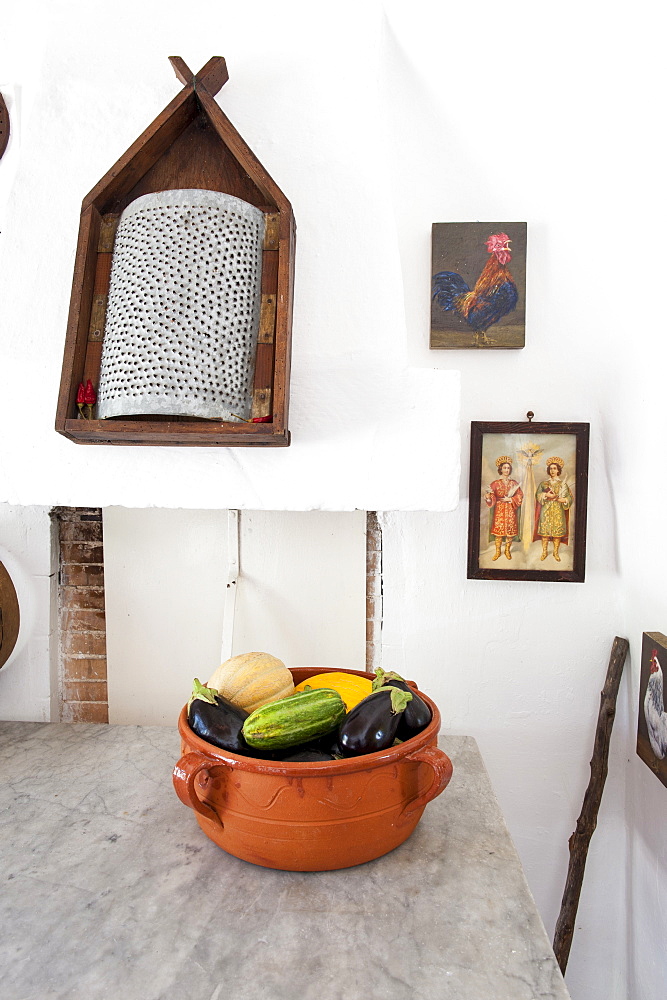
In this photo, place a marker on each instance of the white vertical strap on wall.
(232, 582)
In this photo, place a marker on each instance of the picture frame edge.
(581, 431)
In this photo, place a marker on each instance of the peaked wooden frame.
(191, 144)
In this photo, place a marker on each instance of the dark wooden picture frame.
(651, 718)
(528, 523)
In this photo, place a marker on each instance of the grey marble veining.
(110, 889)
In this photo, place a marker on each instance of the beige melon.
(250, 680)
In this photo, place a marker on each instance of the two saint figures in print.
(528, 501)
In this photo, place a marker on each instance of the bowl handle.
(442, 772)
(184, 774)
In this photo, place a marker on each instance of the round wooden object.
(9, 616)
(4, 125)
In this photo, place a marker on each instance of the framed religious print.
(652, 717)
(528, 496)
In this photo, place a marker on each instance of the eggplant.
(417, 714)
(327, 744)
(323, 748)
(373, 722)
(216, 720)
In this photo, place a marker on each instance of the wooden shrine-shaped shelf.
(190, 145)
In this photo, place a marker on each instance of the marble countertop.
(110, 888)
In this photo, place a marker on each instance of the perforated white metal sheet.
(183, 312)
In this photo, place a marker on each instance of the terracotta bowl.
(313, 816)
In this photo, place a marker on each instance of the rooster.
(654, 709)
(494, 295)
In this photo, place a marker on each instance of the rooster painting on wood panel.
(478, 285)
(652, 726)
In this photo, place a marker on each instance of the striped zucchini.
(297, 719)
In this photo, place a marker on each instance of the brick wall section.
(82, 649)
(373, 591)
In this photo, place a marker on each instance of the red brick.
(82, 635)
(81, 531)
(374, 606)
(85, 643)
(78, 575)
(373, 655)
(82, 620)
(84, 668)
(84, 711)
(81, 552)
(82, 597)
(373, 562)
(64, 514)
(85, 691)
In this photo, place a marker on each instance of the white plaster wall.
(302, 587)
(300, 595)
(359, 411)
(25, 550)
(639, 474)
(530, 121)
(521, 665)
(165, 576)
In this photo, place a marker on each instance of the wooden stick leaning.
(587, 821)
